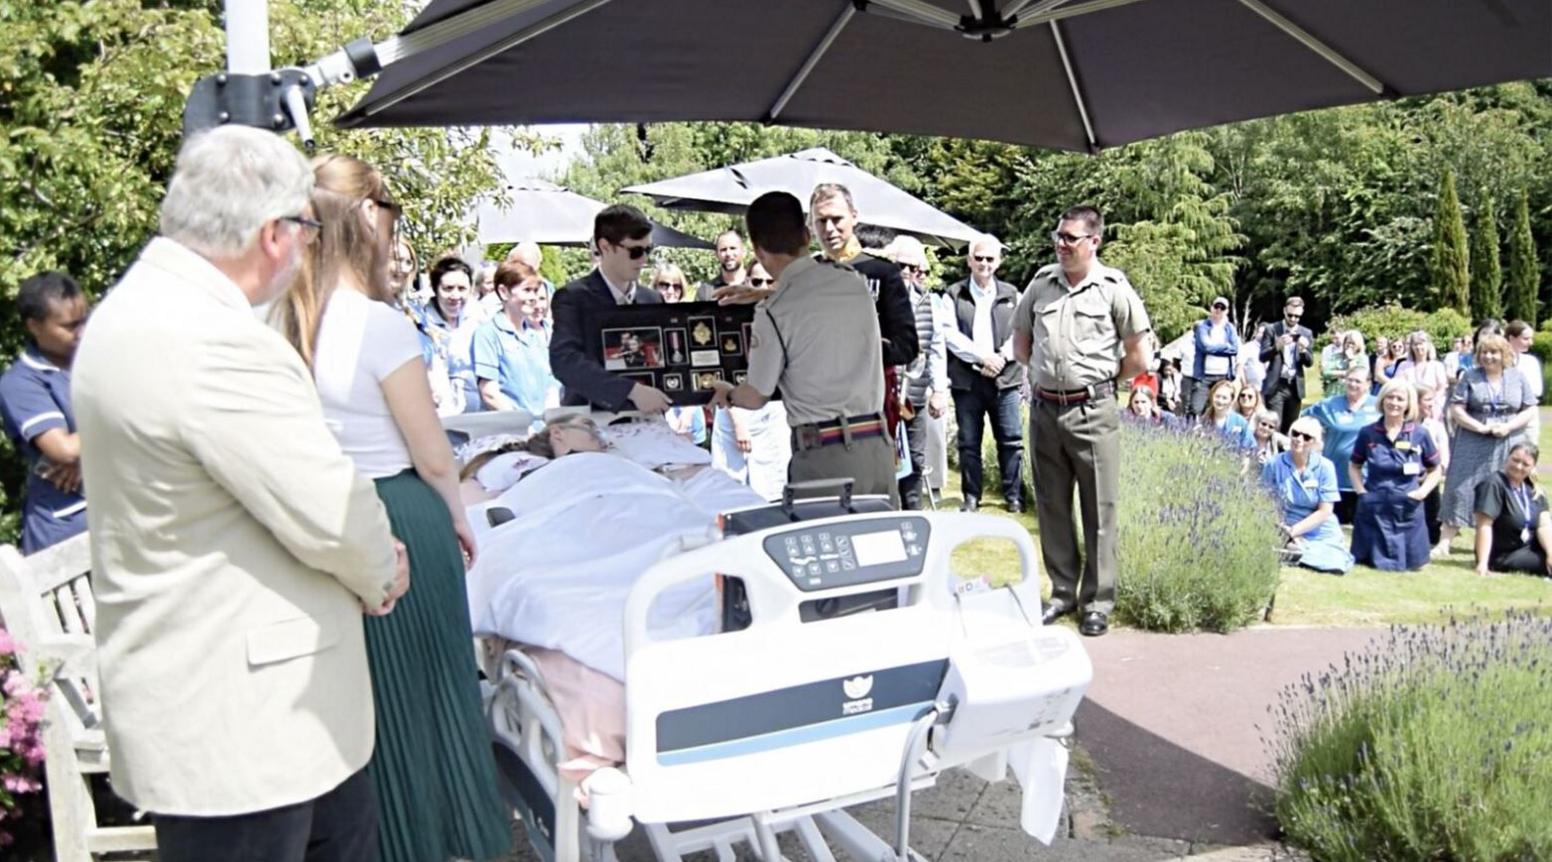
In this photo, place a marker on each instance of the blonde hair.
(1310, 426)
(1211, 413)
(671, 270)
(1396, 384)
(1494, 341)
(347, 243)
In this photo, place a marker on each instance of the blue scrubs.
(34, 399)
(1300, 492)
(1389, 531)
(1342, 424)
(519, 361)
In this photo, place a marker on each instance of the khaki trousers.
(869, 462)
(1078, 447)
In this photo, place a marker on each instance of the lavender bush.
(1434, 744)
(1197, 538)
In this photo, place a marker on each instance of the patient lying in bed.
(589, 515)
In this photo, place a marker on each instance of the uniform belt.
(1067, 397)
(816, 434)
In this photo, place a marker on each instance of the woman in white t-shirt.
(435, 780)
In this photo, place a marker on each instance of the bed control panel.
(843, 554)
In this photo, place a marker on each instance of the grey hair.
(985, 239)
(905, 245)
(227, 183)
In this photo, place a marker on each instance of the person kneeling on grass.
(1394, 467)
(1514, 529)
(1304, 483)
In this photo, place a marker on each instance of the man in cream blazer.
(234, 547)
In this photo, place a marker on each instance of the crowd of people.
(1404, 447)
(265, 482)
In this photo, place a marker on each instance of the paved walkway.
(1172, 761)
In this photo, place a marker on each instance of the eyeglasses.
(911, 267)
(989, 258)
(1247, 395)
(310, 227)
(761, 282)
(1300, 435)
(1270, 426)
(1068, 239)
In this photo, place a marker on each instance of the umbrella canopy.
(731, 189)
(1070, 74)
(548, 214)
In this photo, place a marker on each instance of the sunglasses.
(1300, 435)
(761, 282)
(1218, 306)
(667, 284)
(637, 252)
(911, 267)
(1068, 239)
(1247, 396)
(989, 258)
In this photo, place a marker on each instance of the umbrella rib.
(1072, 81)
(1072, 11)
(1308, 40)
(813, 59)
(559, 18)
(1039, 8)
(921, 12)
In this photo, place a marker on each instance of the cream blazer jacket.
(232, 546)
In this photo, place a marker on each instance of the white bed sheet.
(587, 526)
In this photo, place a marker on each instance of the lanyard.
(1526, 499)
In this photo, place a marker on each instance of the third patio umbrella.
(731, 189)
(548, 214)
(1070, 74)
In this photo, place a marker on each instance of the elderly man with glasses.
(1081, 327)
(983, 376)
(1285, 348)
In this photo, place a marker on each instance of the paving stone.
(989, 844)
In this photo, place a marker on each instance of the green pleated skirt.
(433, 769)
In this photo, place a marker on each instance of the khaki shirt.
(1076, 334)
(817, 338)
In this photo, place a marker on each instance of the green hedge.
(1197, 540)
(1443, 326)
(1433, 744)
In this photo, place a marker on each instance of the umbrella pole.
(247, 37)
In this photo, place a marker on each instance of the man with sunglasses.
(983, 375)
(730, 266)
(924, 395)
(1080, 327)
(1217, 348)
(1285, 348)
(622, 239)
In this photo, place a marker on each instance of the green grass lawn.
(1365, 596)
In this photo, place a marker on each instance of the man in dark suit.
(983, 376)
(622, 239)
(1285, 348)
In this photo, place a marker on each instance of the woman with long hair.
(1219, 415)
(435, 778)
(1490, 406)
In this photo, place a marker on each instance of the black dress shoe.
(1015, 508)
(970, 504)
(1094, 624)
(1054, 612)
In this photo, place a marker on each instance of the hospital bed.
(777, 727)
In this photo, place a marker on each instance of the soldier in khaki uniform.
(817, 337)
(1079, 327)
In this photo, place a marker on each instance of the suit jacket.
(1272, 355)
(962, 374)
(579, 369)
(232, 546)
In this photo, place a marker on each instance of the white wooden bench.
(46, 603)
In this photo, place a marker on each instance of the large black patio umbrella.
(549, 214)
(731, 189)
(1069, 74)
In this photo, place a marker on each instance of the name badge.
(1525, 535)
(1403, 445)
(1411, 468)
(1309, 483)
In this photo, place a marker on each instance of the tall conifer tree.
(1450, 266)
(1486, 271)
(1524, 270)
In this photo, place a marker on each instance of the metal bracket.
(277, 101)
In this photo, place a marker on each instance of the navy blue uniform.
(1389, 531)
(34, 399)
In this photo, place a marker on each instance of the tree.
(1450, 265)
(1486, 272)
(1524, 271)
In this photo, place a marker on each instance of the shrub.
(1434, 744)
(1197, 541)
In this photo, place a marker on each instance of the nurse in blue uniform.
(1304, 483)
(1394, 467)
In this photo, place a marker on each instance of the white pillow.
(503, 471)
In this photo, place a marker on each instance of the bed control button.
(813, 568)
(832, 566)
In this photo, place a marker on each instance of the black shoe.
(1094, 624)
(1054, 612)
(1015, 508)
(971, 504)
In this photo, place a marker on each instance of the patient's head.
(567, 435)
